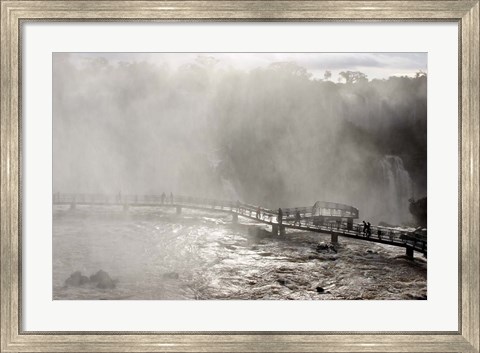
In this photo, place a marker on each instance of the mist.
(273, 135)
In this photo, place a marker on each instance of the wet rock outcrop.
(76, 279)
(101, 280)
(324, 247)
(171, 275)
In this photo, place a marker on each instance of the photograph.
(239, 176)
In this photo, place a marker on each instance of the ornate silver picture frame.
(15, 13)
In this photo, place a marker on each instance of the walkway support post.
(321, 221)
(334, 238)
(282, 231)
(235, 218)
(349, 223)
(179, 210)
(409, 252)
(275, 229)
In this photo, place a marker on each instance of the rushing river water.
(153, 253)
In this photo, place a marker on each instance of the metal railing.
(309, 216)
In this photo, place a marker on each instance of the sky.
(374, 65)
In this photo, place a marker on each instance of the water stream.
(155, 254)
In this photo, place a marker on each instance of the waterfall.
(396, 190)
(229, 189)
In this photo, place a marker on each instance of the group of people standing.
(367, 229)
(298, 217)
(297, 220)
(164, 198)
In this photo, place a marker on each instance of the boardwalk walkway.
(326, 218)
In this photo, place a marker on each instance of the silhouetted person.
(163, 197)
(280, 216)
(298, 218)
(258, 212)
(171, 198)
(369, 230)
(364, 231)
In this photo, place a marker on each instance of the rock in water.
(418, 209)
(100, 275)
(102, 280)
(76, 279)
(326, 247)
(171, 275)
(322, 246)
(320, 290)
